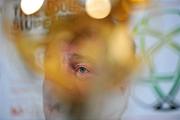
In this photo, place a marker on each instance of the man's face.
(84, 77)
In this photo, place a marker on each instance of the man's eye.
(82, 70)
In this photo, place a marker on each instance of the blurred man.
(87, 67)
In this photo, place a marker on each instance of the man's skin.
(85, 79)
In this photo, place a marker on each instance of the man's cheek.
(58, 71)
(54, 68)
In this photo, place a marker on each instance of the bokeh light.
(31, 6)
(98, 9)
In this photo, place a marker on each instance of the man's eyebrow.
(77, 57)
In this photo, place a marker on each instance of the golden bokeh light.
(31, 6)
(98, 9)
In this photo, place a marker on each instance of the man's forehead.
(85, 50)
(116, 45)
